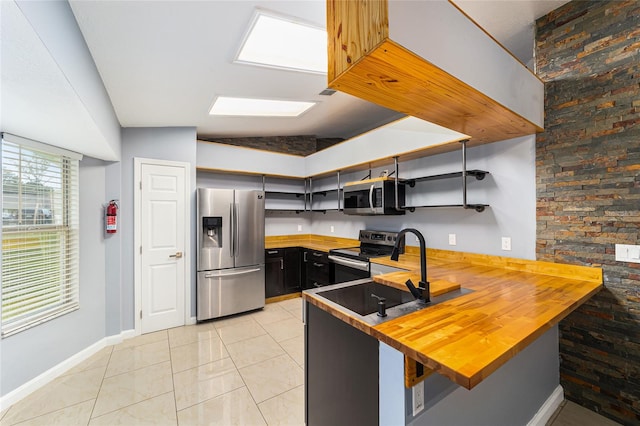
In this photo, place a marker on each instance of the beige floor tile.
(241, 331)
(271, 313)
(233, 408)
(291, 304)
(136, 357)
(254, 350)
(65, 391)
(284, 409)
(285, 330)
(295, 348)
(142, 340)
(232, 320)
(75, 415)
(296, 313)
(272, 377)
(126, 389)
(573, 414)
(205, 382)
(198, 353)
(98, 360)
(192, 333)
(159, 410)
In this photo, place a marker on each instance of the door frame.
(137, 237)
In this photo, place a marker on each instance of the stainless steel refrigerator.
(230, 252)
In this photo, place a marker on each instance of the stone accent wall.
(294, 145)
(588, 192)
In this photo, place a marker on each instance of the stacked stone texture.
(294, 145)
(588, 192)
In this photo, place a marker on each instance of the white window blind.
(39, 234)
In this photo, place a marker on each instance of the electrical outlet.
(506, 243)
(332, 229)
(299, 228)
(418, 398)
(452, 239)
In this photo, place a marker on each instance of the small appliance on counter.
(230, 254)
(350, 264)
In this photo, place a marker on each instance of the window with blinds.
(39, 233)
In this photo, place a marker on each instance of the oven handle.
(356, 264)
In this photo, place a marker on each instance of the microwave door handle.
(371, 197)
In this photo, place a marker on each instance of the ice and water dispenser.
(212, 230)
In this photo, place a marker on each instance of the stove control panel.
(378, 237)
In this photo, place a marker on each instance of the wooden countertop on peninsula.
(514, 301)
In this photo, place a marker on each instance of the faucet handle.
(412, 288)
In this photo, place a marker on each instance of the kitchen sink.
(354, 298)
(358, 298)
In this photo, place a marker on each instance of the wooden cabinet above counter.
(368, 60)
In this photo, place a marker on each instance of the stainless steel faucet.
(422, 292)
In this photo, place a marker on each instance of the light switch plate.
(299, 228)
(452, 239)
(506, 243)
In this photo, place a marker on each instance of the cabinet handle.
(318, 254)
(272, 252)
(318, 265)
(304, 256)
(281, 263)
(316, 285)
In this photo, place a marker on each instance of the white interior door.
(163, 231)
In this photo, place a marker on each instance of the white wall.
(509, 190)
(162, 143)
(30, 353)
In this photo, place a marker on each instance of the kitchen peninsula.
(487, 347)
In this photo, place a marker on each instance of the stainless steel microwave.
(373, 197)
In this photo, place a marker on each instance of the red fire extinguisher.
(112, 217)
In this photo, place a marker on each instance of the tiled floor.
(245, 370)
(571, 414)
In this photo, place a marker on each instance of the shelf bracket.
(338, 173)
(464, 174)
(396, 182)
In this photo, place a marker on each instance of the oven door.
(344, 269)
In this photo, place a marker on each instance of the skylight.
(258, 107)
(280, 42)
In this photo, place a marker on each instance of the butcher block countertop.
(313, 242)
(513, 302)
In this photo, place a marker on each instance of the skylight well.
(258, 107)
(280, 42)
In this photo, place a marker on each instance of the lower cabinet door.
(274, 276)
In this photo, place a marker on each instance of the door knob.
(178, 255)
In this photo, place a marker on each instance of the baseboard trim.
(549, 407)
(192, 321)
(48, 376)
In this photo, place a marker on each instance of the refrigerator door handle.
(236, 235)
(228, 274)
(231, 233)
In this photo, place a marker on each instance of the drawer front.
(271, 253)
(317, 271)
(317, 256)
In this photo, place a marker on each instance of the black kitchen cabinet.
(292, 269)
(341, 372)
(283, 271)
(274, 272)
(316, 268)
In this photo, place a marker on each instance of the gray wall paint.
(113, 255)
(27, 354)
(509, 190)
(56, 26)
(169, 143)
(512, 395)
